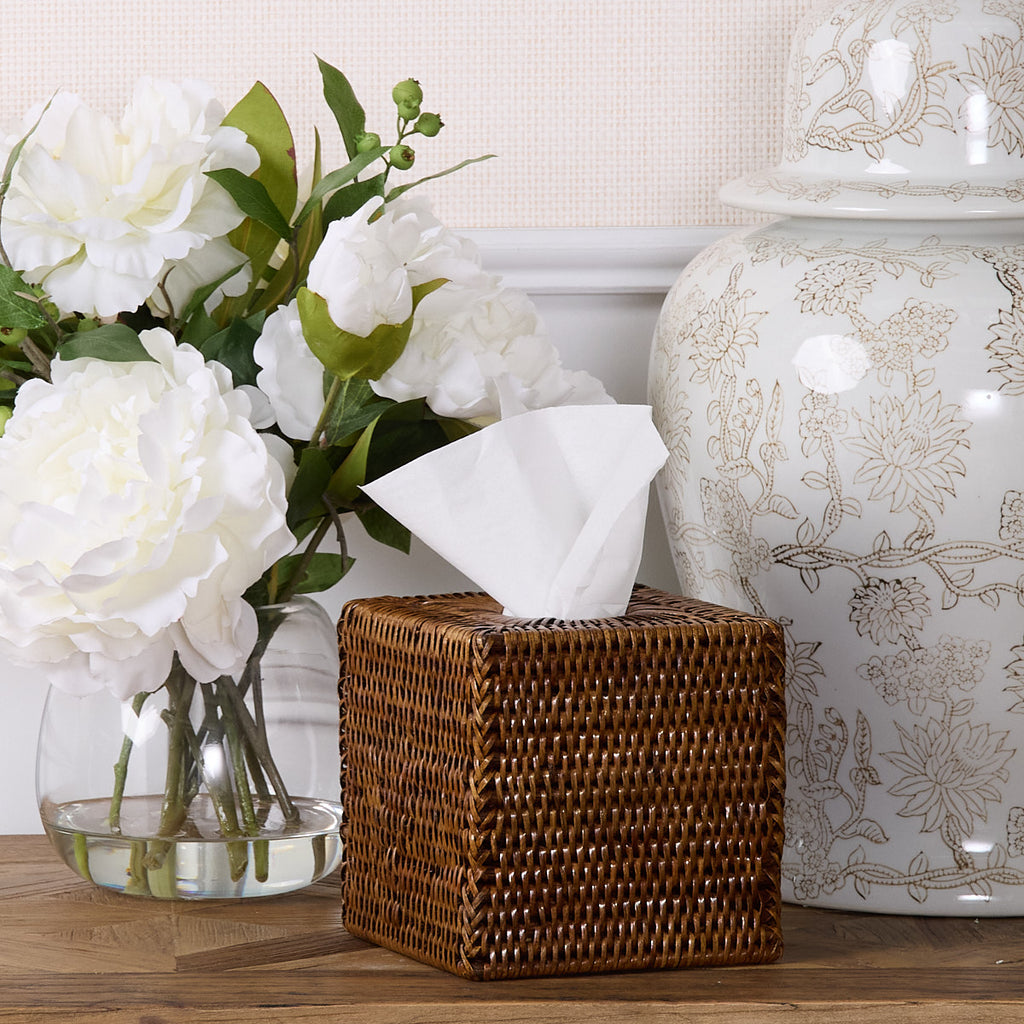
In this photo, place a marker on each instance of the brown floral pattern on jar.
(1011, 516)
(888, 611)
(836, 286)
(949, 773)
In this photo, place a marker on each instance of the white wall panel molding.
(583, 261)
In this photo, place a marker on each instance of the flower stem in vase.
(138, 876)
(180, 688)
(213, 766)
(82, 856)
(258, 741)
(121, 769)
(236, 747)
(160, 864)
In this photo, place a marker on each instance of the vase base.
(202, 864)
(939, 903)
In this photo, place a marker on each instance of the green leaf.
(346, 109)
(364, 461)
(324, 570)
(233, 348)
(308, 236)
(260, 116)
(22, 367)
(113, 343)
(308, 488)
(258, 593)
(199, 329)
(15, 310)
(252, 198)
(399, 189)
(384, 528)
(343, 488)
(351, 198)
(454, 429)
(403, 435)
(333, 181)
(355, 407)
(201, 294)
(397, 436)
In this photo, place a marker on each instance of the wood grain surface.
(71, 952)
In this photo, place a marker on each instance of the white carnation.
(137, 504)
(98, 212)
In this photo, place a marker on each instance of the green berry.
(365, 141)
(12, 335)
(402, 157)
(408, 111)
(408, 91)
(428, 124)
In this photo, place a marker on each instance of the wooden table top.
(71, 952)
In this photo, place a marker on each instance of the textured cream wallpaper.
(602, 112)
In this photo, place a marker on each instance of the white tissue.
(545, 511)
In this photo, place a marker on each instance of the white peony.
(99, 212)
(366, 270)
(291, 376)
(137, 504)
(478, 351)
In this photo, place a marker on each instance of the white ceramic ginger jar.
(842, 393)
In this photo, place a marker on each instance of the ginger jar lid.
(900, 108)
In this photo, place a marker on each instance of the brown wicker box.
(534, 797)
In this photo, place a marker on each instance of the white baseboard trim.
(579, 261)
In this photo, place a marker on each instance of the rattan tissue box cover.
(535, 797)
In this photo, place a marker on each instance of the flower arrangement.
(202, 364)
(199, 371)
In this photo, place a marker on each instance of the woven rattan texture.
(528, 798)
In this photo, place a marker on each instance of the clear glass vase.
(203, 791)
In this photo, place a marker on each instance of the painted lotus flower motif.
(721, 332)
(949, 773)
(1007, 348)
(995, 87)
(910, 447)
